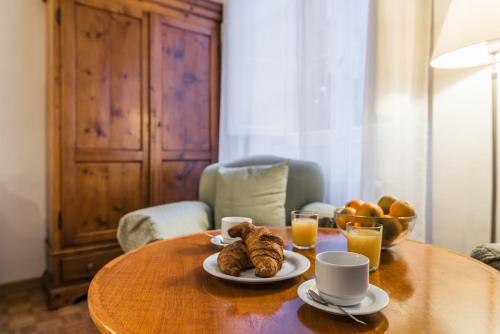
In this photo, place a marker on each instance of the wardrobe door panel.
(181, 179)
(185, 76)
(108, 85)
(106, 192)
(184, 105)
(104, 135)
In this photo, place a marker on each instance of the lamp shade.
(467, 29)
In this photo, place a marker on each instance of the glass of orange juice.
(365, 238)
(304, 229)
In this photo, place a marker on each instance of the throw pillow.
(257, 192)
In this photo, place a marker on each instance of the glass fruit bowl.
(395, 229)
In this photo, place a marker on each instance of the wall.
(22, 140)
(461, 153)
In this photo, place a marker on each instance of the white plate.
(294, 265)
(219, 241)
(375, 300)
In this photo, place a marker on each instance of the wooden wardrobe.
(132, 120)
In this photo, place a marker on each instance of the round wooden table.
(162, 288)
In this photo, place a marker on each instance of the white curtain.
(300, 79)
(293, 84)
(395, 125)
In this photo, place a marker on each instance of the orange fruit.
(401, 208)
(369, 210)
(360, 222)
(365, 214)
(355, 204)
(344, 218)
(385, 202)
(391, 229)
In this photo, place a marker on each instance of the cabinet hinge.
(58, 15)
(59, 220)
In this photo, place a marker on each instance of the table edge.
(103, 328)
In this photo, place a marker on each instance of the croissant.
(264, 248)
(234, 258)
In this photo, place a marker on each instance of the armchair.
(305, 190)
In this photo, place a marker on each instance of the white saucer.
(219, 241)
(294, 265)
(375, 300)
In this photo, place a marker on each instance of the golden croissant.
(265, 248)
(234, 258)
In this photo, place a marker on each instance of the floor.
(25, 311)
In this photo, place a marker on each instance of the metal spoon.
(221, 240)
(318, 299)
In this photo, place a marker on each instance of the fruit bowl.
(395, 229)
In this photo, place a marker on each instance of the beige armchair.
(305, 190)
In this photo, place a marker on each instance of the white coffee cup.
(342, 277)
(227, 223)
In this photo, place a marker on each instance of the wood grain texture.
(53, 123)
(103, 134)
(125, 81)
(204, 8)
(108, 78)
(104, 156)
(206, 12)
(92, 78)
(184, 177)
(23, 311)
(215, 79)
(185, 73)
(68, 117)
(162, 287)
(184, 105)
(97, 253)
(86, 265)
(105, 124)
(105, 197)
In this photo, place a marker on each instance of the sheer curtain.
(396, 120)
(293, 84)
(339, 82)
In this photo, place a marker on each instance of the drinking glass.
(365, 238)
(304, 229)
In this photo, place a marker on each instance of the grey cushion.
(258, 192)
(489, 254)
(159, 222)
(325, 211)
(305, 181)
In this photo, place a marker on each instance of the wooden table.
(162, 288)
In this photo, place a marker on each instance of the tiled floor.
(26, 312)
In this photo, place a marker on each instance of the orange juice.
(367, 242)
(304, 232)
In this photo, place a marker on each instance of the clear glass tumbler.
(304, 229)
(365, 238)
